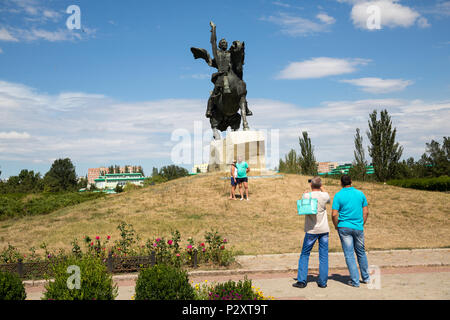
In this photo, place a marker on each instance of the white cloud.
(197, 76)
(32, 20)
(320, 67)
(35, 34)
(392, 14)
(95, 129)
(297, 26)
(325, 18)
(440, 8)
(281, 4)
(13, 135)
(378, 85)
(5, 35)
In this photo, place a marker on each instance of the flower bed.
(126, 254)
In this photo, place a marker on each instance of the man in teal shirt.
(241, 179)
(349, 213)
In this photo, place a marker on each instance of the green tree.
(118, 188)
(383, 149)
(127, 169)
(155, 171)
(358, 171)
(61, 176)
(173, 172)
(25, 182)
(437, 158)
(290, 164)
(82, 182)
(307, 159)
(111, 169)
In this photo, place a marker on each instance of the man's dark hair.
(346, 180)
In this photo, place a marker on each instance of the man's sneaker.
(242, 199)
(322, 286)
(248, 199)
(299, 284)
(365, 281)
(351, 283)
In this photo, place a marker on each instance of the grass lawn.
(268, 223)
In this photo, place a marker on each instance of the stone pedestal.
(247, 144)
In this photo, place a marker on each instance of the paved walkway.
(403, 274)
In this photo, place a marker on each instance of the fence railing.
(36, 270)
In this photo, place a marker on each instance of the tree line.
(165, 174)
(60, 178)
(385, 153)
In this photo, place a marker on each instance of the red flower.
(225, 240)
(92, 243)
(189, 246)
(170, 242)
(108, 237)
(222, 247)
(97, 237)
(202, 244)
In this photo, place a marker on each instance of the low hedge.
(430, 184)
(163, 282)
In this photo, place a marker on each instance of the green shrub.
(95, 282)
(163, 282)
(430, 184)
(11, 287)
(130, 186)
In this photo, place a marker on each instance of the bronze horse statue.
(230, 91)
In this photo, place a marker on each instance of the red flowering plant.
(167, 251)
(216, 251)
(96, 247)
(161, 248)
(190, 249)
(10, 255)
(128, 239)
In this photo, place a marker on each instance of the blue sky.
(115, 91)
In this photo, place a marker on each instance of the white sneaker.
(248, 199)
(242, 199)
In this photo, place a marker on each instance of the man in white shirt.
(316, 228)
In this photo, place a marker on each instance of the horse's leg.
(244, 113)
(215, 120)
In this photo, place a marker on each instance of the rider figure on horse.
(224, 66)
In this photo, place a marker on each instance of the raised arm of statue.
(213, 39)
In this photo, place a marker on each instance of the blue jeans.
(352, 241)
(308, 244)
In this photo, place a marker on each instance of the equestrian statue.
(230, 91)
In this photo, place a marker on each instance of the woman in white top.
(233, 173)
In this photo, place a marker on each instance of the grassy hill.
(268, 223)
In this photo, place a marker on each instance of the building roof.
(123, 174)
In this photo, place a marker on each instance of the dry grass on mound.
(268, 223)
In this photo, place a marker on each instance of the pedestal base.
(246, 144)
